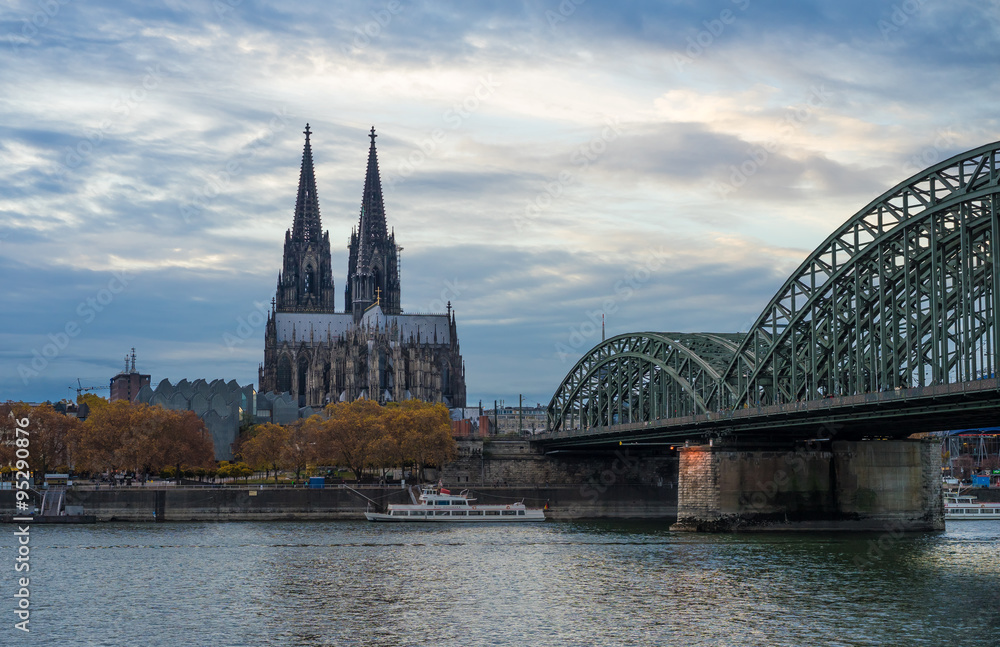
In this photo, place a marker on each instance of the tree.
(49, 436)
(349, 435)
(92, 400)
(247, 422)
(362, 434)
(300, 446)
(10, 413)
(391, 446)
(179, 438)
(234, 471)
(429, 440)
(266, 448)
(241, 470)
(108, 440)
(122, 436)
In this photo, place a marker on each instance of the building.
(370, 350)
(223, 406)
(518, 420)
(127, 384)
(470, 423)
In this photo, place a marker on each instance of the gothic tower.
(318, 356)
(305, 283)
(372, 267)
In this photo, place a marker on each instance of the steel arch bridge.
(645, 376)
(903, 295)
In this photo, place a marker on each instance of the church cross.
(378, 296)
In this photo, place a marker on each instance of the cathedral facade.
(370, 350)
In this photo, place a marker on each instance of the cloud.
(166, 140)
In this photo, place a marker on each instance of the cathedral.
(370, 350)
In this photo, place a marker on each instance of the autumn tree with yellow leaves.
(263, 448)
(362, 435)
(122, 436)
(50, 434)
(301, 449)
(348, 435)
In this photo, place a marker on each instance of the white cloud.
(223, 80)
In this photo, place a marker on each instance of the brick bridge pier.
(871, 485)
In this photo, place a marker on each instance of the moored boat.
(959, 507)
(439, 504)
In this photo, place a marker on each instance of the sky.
(665, 165)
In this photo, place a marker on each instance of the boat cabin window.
(476, 513)
(508, 512)
(520, 513)
(492, 512)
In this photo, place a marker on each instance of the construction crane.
(80, 388)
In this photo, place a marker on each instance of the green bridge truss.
(902, 295)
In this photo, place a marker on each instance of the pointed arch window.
(284, 381)
(379, 284)
(303, 380)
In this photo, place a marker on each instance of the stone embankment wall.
(499, 462)
(864, 485)
(251, 503)
(216, 503)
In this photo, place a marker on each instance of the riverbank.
(263, 503)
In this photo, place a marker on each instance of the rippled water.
(598, 583)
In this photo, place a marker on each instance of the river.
(556, 583)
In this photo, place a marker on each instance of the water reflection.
(316, 584)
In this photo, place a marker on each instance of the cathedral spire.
(371, 224)
(373, 264)
(305, 283)
(307, 224)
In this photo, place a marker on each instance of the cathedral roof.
(371, 223)
(374, 316)
(433, 329)
(307, 226)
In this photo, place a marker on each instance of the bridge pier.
(870, 485)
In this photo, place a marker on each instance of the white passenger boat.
(439, 504)
(959, 507)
